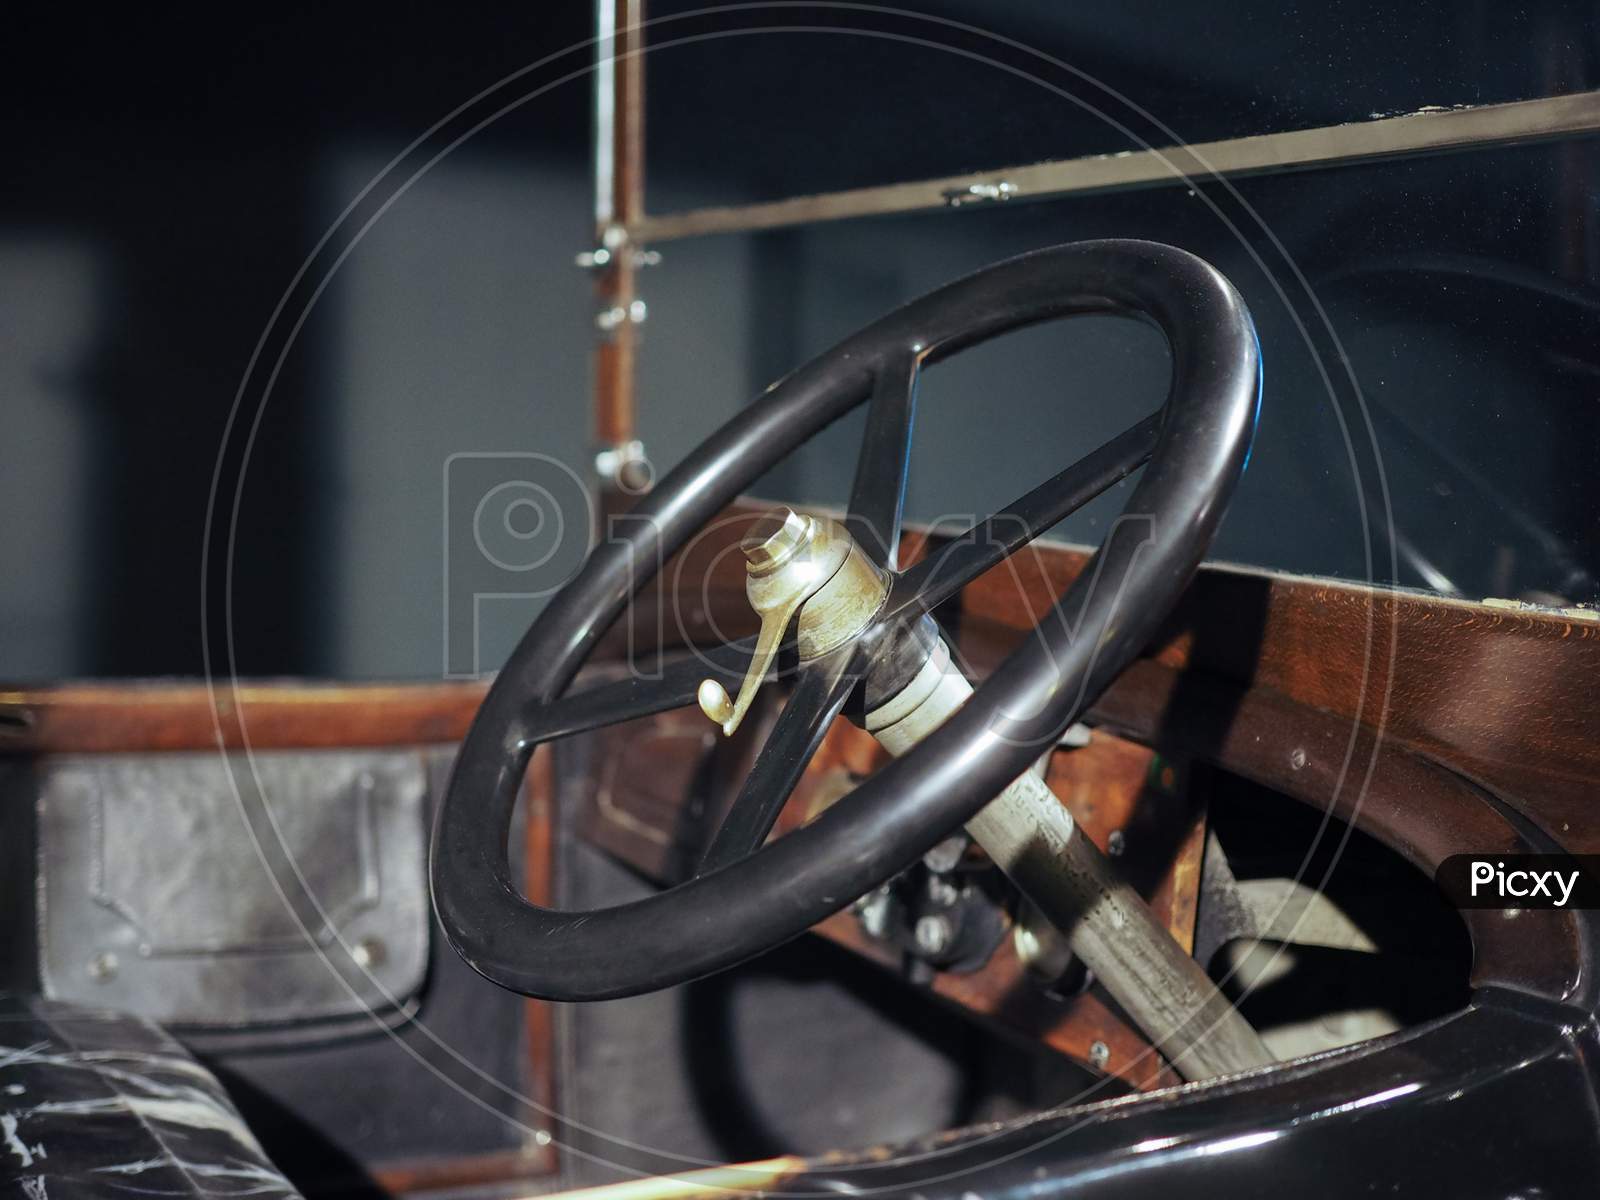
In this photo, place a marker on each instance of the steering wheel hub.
(799, 566)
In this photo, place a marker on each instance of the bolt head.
(1099, 1055)
(1026, 941)
(873, 911)
(103, 967)
(946, 856)
(369, 952)
(775, 538)
(933, 934)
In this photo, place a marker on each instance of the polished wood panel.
(158, 715)
(1405, 799)
(540, 865)
(1501, 695)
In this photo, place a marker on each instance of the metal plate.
(200, 890)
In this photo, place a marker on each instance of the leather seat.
(99, 1103)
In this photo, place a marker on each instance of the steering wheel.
(757, 896)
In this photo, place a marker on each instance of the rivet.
(369, 952)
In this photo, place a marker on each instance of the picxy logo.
(1508, 881)
(1523, 884)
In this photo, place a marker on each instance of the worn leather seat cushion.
(101, 1104)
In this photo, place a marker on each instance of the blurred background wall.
(171, 169)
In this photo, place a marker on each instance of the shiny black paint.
(818, 698)
(672, 686)
(878, 492)
(1491, 1103)
(724, 917)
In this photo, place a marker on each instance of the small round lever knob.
(715, 702)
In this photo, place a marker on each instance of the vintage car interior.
(1056, 656)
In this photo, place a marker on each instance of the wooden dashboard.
(1437, 725)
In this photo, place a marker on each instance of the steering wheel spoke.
(877, 497)
(674, 686)
(819, 695)
(948, 569)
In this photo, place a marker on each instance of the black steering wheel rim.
(1200, 447)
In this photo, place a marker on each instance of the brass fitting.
(803, 565)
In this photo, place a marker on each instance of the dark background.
(169, 170)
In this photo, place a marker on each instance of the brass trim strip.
(719, 1182)
(1424, 132)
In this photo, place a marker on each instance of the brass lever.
(714, 701)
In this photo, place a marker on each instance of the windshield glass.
(1429, 346)
(747, 103)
